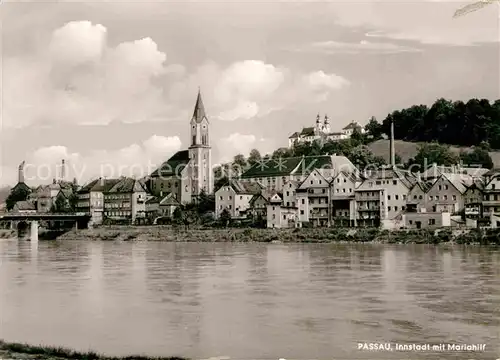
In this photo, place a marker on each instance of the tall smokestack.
(392, 151)
(20, 173)
(63, 170)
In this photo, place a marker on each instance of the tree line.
(447, 122)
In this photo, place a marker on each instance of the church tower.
(200, 152)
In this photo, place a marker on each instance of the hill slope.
(407, 150)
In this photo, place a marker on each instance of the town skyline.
(343, 61)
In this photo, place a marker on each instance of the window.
(343, 190)
(445, 197)
(301, 212)
(431, 198)
(414, 196)
(284, 217)
(395, 208)
(338, 180)
(350, 190)
(420, 197)
(397, 197)
(274, 208)
(288, 193)
(303, 201)
(324, 191)
(194, 139)
(446, 187)
(411, 222)
(378, 182)
(274, 216)
(388, 208)
(493, 186)
(311, 182)
(432, 221)
(394, 182)
(388, 197)
(230, 206)
(241, 197)
(230, 197)
(454, 197)
(439, 187)
(320, 182)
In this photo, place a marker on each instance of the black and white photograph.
(249, 180)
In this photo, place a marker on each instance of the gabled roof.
(21, 185)
(199, 109)
(295, 135)
(246, 187)
(24, 205)
(153, 200)
(352, 125)
(174, 165)
(456, 180)
(391, 174)
(315, 173)
(272, 167)
(66, 192)
(169, 200)
(98, 185)
(299, 166)
(256, 197)
(127, 185)
(307, 131)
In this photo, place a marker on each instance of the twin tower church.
(188, 172)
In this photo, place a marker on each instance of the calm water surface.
(249, 301)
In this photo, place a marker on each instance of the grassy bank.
(24, 351)
(311, 235)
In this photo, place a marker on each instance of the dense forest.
(447, 122)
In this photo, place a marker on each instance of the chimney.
(392, 151)
(101, 181)
(63, 170)
(20, 173)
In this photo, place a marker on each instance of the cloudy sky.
(110, 86)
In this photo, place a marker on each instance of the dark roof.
(302, 165)
(272, 167)
(99, 185)
(294, 135)
(199, 110)
(127, 185)
(245, 187)
(153, 200)
(21, 185)
(174, 165)
(308, 131)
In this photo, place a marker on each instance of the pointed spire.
(327, 120)
(318, 118)
(199, 109)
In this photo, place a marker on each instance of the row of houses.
(330, 191)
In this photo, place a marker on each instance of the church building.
(188, 172)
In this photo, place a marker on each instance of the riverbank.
(304, 235)
(28, 352)
(7, 234)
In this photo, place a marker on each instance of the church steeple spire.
(199, 110)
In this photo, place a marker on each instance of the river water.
(250, 301)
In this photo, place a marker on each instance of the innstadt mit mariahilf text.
(420, 347)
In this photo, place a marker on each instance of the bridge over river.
(29, 222)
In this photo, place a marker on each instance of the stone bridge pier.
(26, 229)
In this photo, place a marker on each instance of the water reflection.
(248, 301)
